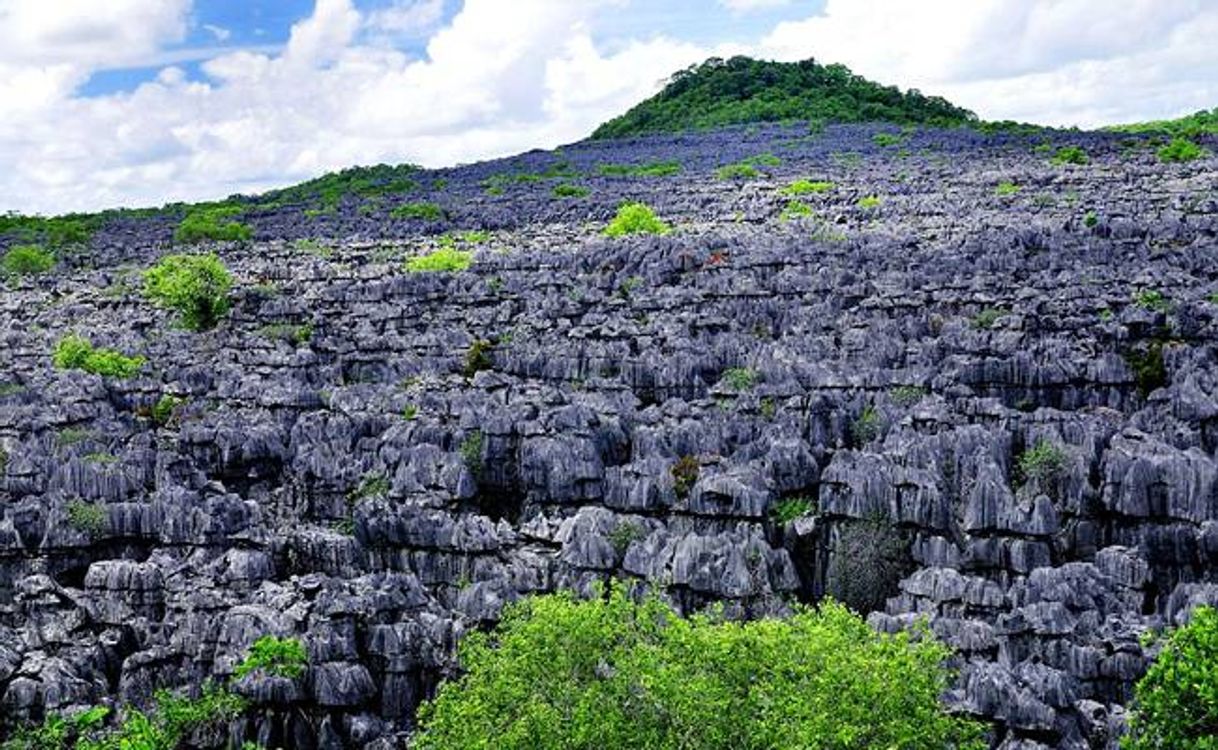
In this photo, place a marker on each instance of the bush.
(1071, 155)
(869, 202)
(165, 408)
(649, 169)
(196, 286)
(276, 657)
(867, 560)
(739, 378)
(419, 212)
(636, 218)
(87, 518)
(77, 353)
(26, 260)
(471, 452)
(807, 187)
(478, 357)
(1043, 462)
(1180, 150)
(1006, 188)
(570, 191)
(446, 259)
(619, 671)
(1176, 703)
(787, 510)
(684, 475)
(212, 224)
(741, 171)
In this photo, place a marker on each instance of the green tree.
(622, 671)
(196, 286)
(1176, 704)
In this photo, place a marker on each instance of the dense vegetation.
(622, 671)
(741, 89)
(195, 286)
(1176, 704)
(78, 353)
(1198, 123)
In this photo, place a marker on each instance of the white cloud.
(748, 6)
(219, 32)
(1065, 62)
(499, 78)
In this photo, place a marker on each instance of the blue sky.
(142, 102)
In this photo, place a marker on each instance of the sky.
(143, 102)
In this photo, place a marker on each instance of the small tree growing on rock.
(196, 286)
(1176, 703)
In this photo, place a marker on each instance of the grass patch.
(443, 260)
(807, 187)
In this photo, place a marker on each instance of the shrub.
(987, 318)
(740, 171)
(1006, 188)
(276, 657)
(471, 452)
(787, 510)
(1176, 704)
(869, 202)
(372, 485)
(212, 224)
(907, 395)
(77, 353)
(625, 533)
(478, 357)
(618, 671)
(796, 210)
(165, 408)
(445, 259)
(649, 169)
(807, 187)
(26, 260)
(1071, 155)
(89, 518)
(1146, 363)
(867, 560)
(1152, 299)
(887, 140)
(684, 475)
(570, 191)
(867, 426)
(418, 211)
(739, 378)
(1043, 462)
(636, 218)
(195, 286)
(1180, 150)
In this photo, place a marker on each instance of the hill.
(1204, 122)
(741, 89)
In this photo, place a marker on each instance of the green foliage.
(471, 452)
(623, 535)
(327, 192)
(743, 90)
(419, 211)
(1180, 150)
(636, 218)
(194, 286)
(807, 187)
(796, 210)
(907, 395)
(478, 357)
(165, 408)
(313, 247)
(647, 169)
(866, 426)
(987, 318)
(869, 202)
(1146, 362)
(276, 657)
(410, 412)
(293, 334)
(74, 352)
(684, 473)
(1006, 188)
(54, 231)
(445, 259)
(619, 671)
(739, 378)
(887, 140)
(1071, 155)
(1176, 704)
(212, 224)
(739, 171)
(26, 260)
(1044, 462)
(1152, 299)
(88, 518)
(566, 190)
(172, 720)
(787, 510)
(1199, 123)
(1090, 219)
(372, 485)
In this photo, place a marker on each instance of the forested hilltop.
(742, 90)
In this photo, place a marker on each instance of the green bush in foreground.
(1071, 155)
(196, 286)
(445, 259)
(26, 260)
(613, 672)
(1176, 704)
(77, 353)
(636, 218)
(212, 224)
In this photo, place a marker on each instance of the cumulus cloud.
(1064, 62)
(499, 78)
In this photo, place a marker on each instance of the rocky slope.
(998, 407)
